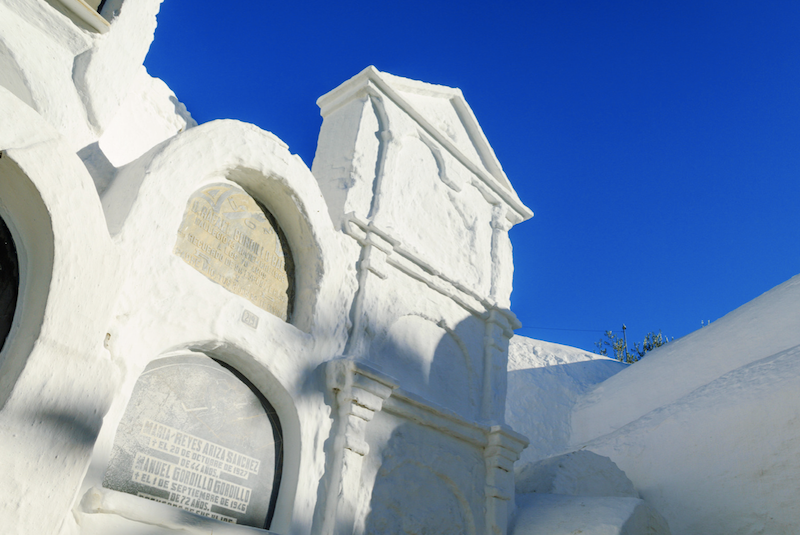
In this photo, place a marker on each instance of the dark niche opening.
(9, 281)
(197, 435)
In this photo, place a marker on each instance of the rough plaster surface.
(375, 142)
(50, 418)
(553, 514)
(545, 380)
(712, 435)
(401, 238)
(149, 115)
(578, 473)
(403, 269)
(411, 466)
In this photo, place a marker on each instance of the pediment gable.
(445, 115)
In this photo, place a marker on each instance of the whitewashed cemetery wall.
(202, 335)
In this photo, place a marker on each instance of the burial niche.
(233, 240)
(198, 436)
(9, 281)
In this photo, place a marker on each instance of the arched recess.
(432, 359)
(165, 178)
(199, 436)
(180, 426)
(271, 388)
(56, 380)
(410, 497)
(28, 222)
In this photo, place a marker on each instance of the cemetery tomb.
(197, 436)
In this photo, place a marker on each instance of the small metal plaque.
(229, 238)
(196, 437)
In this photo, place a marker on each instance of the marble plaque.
(196, 437)
(229, 238)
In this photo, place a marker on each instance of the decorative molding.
(370, 81)
(495, 346)
(416, 409)
(501, 447)
(372, 238)
(502, 451)
(359, 392)
(380, 250)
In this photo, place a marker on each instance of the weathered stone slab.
(196, 437)
(229, 238)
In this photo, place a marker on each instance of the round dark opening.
(9, 281)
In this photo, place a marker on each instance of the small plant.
(621, 352)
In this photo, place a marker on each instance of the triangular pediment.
(445, 115)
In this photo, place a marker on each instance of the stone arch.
(29, 226)
(276, 195)
(163, 179)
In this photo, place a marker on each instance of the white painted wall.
(390, 376)
(707, 426)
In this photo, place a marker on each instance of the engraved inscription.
(229, 238)
(196, 437)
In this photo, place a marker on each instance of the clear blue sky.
(658, 144)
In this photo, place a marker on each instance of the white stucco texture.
(56, 378)
(545, 380)
(556, 514)
(706, 427)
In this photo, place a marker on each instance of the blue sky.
(658, 144)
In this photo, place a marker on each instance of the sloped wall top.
(443, 114)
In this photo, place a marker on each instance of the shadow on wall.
(410, 496)
(78, 427)
(434, 361)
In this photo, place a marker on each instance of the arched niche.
(197, 435)
(27, 225)
(233, 240)
(301, 230)
(163, 180)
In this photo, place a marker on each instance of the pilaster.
(502, 450)
(358, 393)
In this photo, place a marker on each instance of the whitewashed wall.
(389, 377)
